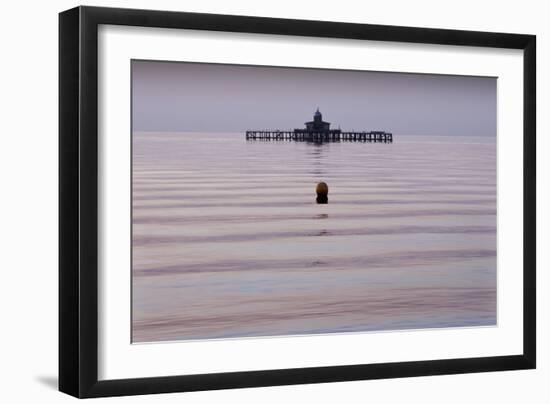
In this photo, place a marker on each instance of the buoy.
(322, 192)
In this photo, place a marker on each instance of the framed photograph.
(251, 201)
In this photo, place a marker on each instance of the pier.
(318, 131)
(320, 137)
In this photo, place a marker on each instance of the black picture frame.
(78, 201)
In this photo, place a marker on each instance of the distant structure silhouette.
(317, 125)
(318, 131)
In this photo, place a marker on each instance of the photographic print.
(283, 201)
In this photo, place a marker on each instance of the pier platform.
(320, 137)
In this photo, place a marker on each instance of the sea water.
(228, 240)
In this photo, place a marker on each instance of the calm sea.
(228, 240)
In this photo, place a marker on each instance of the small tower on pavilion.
(317, 125)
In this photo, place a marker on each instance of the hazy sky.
(174, 96)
